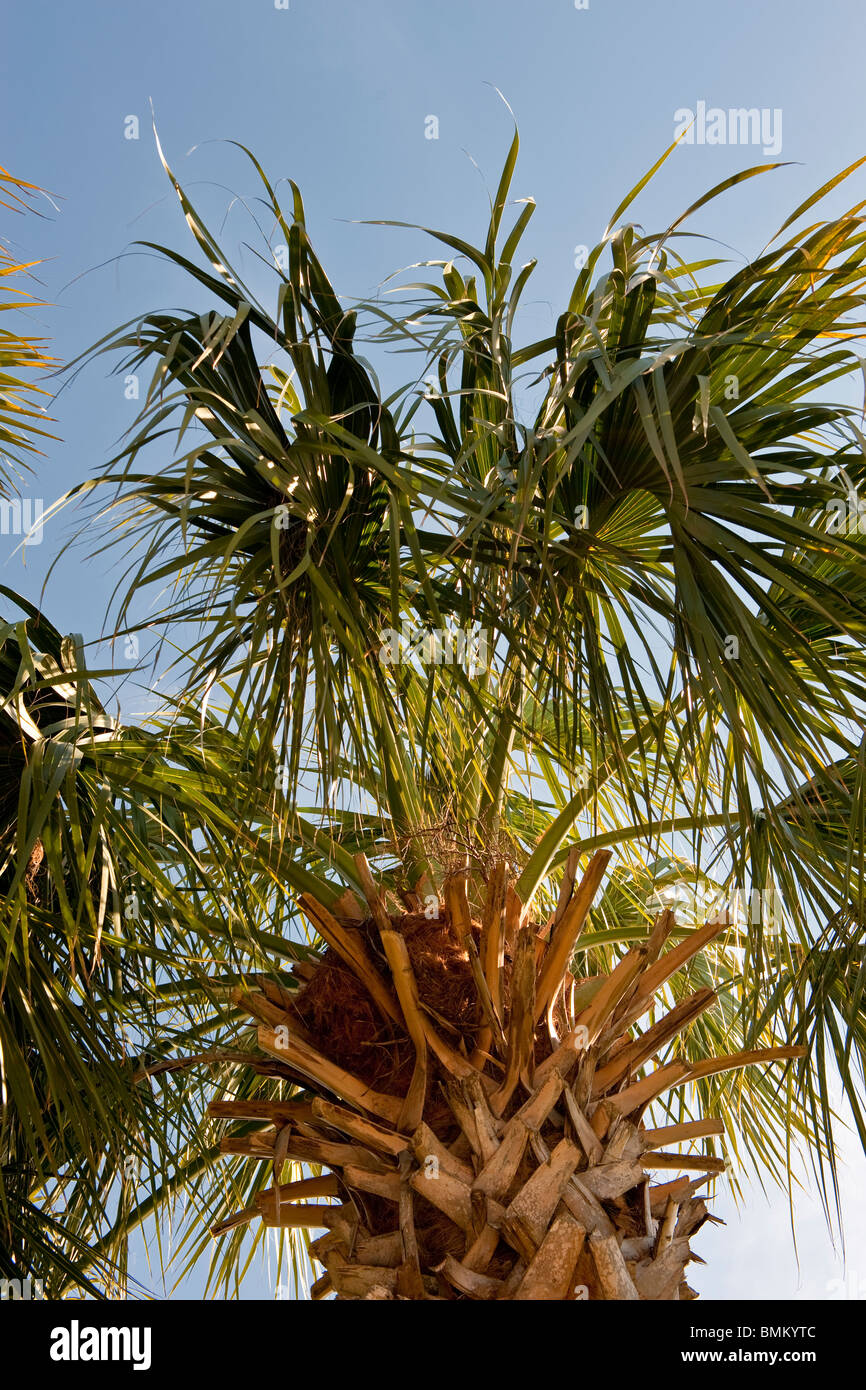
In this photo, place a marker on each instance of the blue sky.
(338, 95)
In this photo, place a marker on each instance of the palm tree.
(535, 603)
(102, 966)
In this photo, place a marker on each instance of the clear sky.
(338, 95)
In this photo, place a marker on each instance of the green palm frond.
(23, 359)
(122, 878)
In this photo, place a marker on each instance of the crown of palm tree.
(629, 520)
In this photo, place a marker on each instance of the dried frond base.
(479, 1112)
